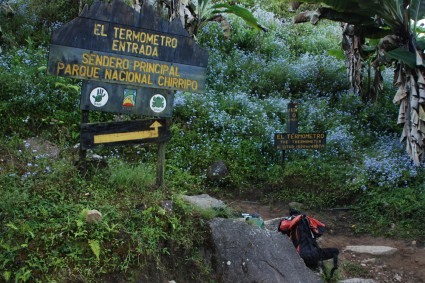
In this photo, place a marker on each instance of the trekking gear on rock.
(254, 219)
(303, 231)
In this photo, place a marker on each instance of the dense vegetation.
(251, 79)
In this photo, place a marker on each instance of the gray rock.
(167, 205)
(93, 216)
(245, 253)
(204, 201)
(373, 250)
(295, 205)
(217, 171)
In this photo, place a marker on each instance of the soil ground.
(407, 265)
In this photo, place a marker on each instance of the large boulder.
(246, 253)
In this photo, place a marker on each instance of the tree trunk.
(351, 44)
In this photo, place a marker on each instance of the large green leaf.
(337, 5)
(402, 55)
(202, 8)
(346, 17)
(391, 11)
(239, 11)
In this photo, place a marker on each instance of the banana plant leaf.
(389, 10)
(401, 54)
(239, 11)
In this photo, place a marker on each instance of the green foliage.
(354, 270)
(315, 182)
(241, 12)
(271, 63)
(283, 8)
(392, 212)
(46, 232)
(36, 19)
(251, 79)
(31, 101)
(126, 176)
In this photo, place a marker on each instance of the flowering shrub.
(273, 63)
(387, 166)
(251, 79)
(30, 100)
(232, 127)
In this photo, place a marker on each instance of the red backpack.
(303, 231)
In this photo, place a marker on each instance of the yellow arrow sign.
(129, 136)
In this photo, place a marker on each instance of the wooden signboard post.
(130, 63)
(294, 140)
(292, 125)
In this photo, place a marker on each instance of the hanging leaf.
(421, 113)
(419, 60)
(402, 116)
(400, 95)
(421, 79)
(239, 11)
(402, 55)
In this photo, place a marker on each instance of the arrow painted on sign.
(129, 136)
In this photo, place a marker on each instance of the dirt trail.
(407, 265)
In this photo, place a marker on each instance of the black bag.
(303, 231)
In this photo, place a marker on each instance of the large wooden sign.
(111, 42)
(285, 141)
(128, 132)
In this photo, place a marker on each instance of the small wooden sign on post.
(285, 141)
(294, 140)
(130, 63)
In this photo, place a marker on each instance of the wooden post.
(160, 165)
(83, 152)
(292, 124)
